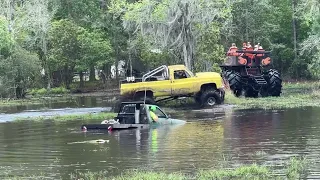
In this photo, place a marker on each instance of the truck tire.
(274, 85)
(210, 98)
(234, 80)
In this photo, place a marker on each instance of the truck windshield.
(159, 113)
(190, 73)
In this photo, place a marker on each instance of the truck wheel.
(234, 80)
(210, 98)
(275, 81)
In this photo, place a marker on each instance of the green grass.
(89, 116)
(33, 101)
(43, 91)
(305, 94)
(294, 95)
(294, 169)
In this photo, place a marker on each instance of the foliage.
(82, 12)
(252, 171)
(43, 91)
(79, 35)
(64, 44)
(5, 38)
(73, 47)
(310, 10)
(18, 67)
(171, 24)
(95, 49)
(209, 52)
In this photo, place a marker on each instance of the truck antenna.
(145, 95)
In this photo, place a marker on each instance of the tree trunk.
(185, 47)
(92, 76)
(44, 60)
(294, 28)
(81, 79)
(66, 76)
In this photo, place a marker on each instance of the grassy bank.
(294, 169)
(293, 95)
(34, 101)
(90, 116)
(52, 91)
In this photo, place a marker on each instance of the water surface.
(209, 138)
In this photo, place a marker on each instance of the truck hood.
(208, 74)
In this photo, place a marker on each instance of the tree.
(65, 47)
(18, 67)
(73, 47)
(82, 12)
(172, 24)
(95, 49)
(210, 53)
(37, 21)
(6, 40)
(310, 10)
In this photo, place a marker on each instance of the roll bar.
(155, 71)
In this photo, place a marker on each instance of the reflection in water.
(75, 105)
(240, 137)
(154, 140)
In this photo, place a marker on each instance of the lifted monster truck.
(172, 82)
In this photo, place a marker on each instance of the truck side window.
(180, 74)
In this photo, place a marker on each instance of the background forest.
(45, 43)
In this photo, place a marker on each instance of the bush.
(43, 91)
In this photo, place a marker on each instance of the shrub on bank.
(43, 91)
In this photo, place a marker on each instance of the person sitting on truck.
(153, 115)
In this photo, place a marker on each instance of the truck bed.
(124, 81)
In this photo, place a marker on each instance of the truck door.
(182, 82)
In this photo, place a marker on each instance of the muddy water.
(74, 105)
(71, 102)
(207, 140)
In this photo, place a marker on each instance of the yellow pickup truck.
(172, 82)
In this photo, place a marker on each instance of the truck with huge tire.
(248, 71)
(172, 82)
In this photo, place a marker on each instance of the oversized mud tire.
(234, 80)
(274, 83)
(210, 98)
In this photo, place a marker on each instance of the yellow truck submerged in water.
(171, 82)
